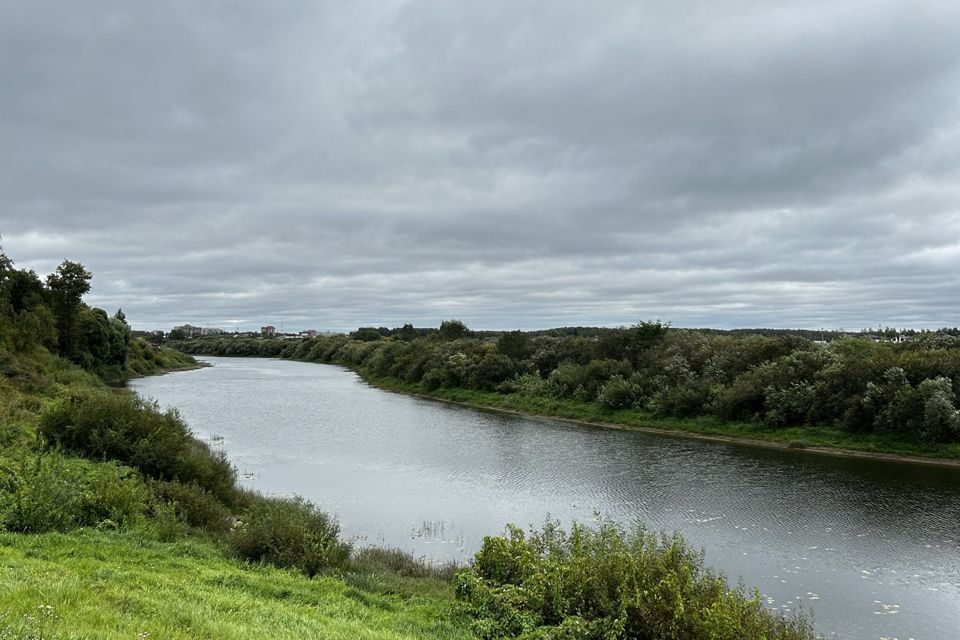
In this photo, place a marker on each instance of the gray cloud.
(513, 164)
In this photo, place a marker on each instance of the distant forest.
(879, 382)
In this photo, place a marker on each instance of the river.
(871, 548)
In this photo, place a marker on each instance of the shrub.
(113, 493)
(530, 384)
(290, 533)
(788, 406)
(45, 496)
(194, 505)
(50, 492)
(167, 524)
(941, 421)
(123, 427)
(692, 397)
(492, 370)
(616, 393)
(608, 583)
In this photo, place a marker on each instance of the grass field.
(107, 585)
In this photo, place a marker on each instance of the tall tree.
(67, 286)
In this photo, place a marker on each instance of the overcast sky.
(514, 164)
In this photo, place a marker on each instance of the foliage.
(608, 583)
(453, 330)
(51, 315)
(193, 505)
(119, 426)
(49, 492)
(775, 379)
(290, 533)
(616, 393)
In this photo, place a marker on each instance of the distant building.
(268, 331)
(309, 333)
(190, 331)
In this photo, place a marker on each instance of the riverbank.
(432, 478)
(850, 397)
(123, 543)
(812, 440)
(109, 533)
(162, 371)
(121, 585)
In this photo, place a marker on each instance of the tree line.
(861, 384)
(50, 313)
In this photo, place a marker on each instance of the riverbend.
(870, 547)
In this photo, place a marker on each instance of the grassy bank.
(116, 522)
(145, 535)
(814, 439)
(106, 585)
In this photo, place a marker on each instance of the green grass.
(117, 585)
(591, 412)
(107, 584)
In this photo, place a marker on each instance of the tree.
(453, 330)
(407, 333)
(67, 286)
(6, 273)
(633, 343)
(366, 334)
(69, 282)
(515, 345)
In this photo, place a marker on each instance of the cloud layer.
(513, 164)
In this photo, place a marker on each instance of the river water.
(871, 548)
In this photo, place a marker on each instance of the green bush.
(616, 393)
(194, 505)
(788, 406)
(44, 496)
(123, 427)
(114, 494)
(290, 533)
(167, 523)
(692, 397)
(608, 583)
(49, 492)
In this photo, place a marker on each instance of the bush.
(616, 393)
(50, 492)
(692, 397)
(123, 427)
(44, 496)
(167, 524)
(290, 533)
(114, 494)
(530, 384)
(608, 583)
(194, 505)
(941, 421)
(788, 406)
